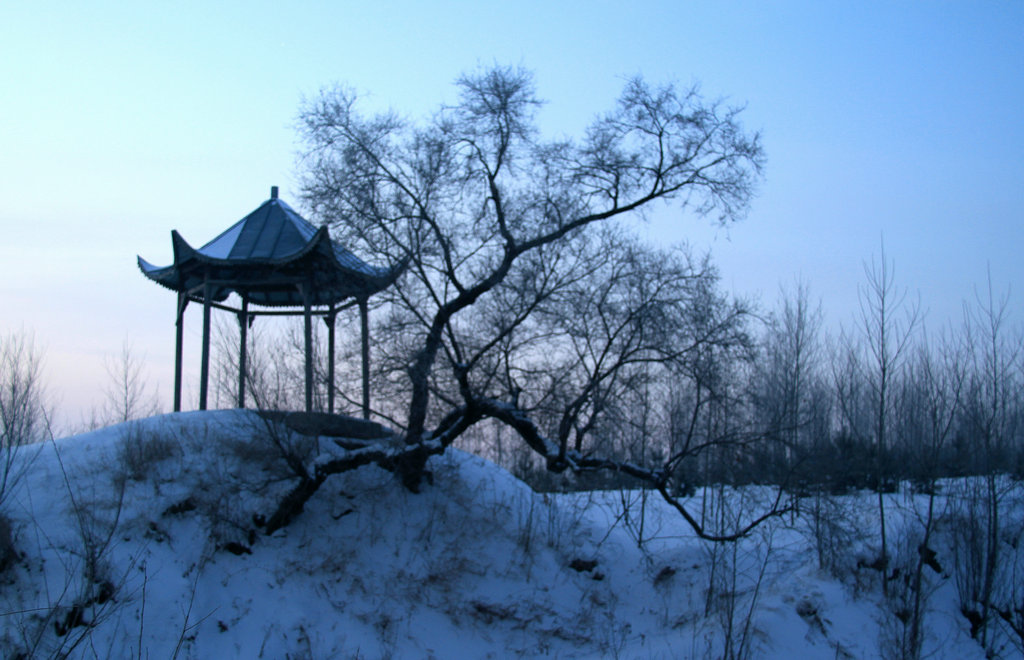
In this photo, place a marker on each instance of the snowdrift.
(144, 539)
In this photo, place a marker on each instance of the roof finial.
(273, 192)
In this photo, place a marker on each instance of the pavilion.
(272, 258)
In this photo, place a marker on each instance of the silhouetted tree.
(789, 397)
(888, 323)
(498, 227)
(991, 416)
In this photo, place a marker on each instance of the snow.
(475, 566)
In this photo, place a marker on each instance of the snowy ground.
(139, 541)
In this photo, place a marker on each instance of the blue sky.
(122, 121)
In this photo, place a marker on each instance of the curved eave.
(388, 276)
(375, 278)
(343, 280)
(170, 277)
(163, 276)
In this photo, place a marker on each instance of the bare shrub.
(834, 529)
(274, 365)
(23, 413)
(140, 450)
(738, 570)
(903, 634)
(1009, 600)
(23, 421)
(83, 593)
(273, 447)
(248, 469)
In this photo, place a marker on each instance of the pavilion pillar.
(243, 327)
(178, 345)
(329, 320)
(204, 372)
(308, 332)
(364, 327)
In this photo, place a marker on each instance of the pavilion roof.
(267, 257)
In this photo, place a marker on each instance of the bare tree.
(127, 395)
(274, 368)
(888, 323)
(709, 434)
(23, 410)
(926, 410)
(991, 416)
(23, 421)
(482, 209)
(788, 393)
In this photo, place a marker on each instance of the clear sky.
(123, 120)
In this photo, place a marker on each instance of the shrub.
(140, 450)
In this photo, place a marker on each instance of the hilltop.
(144, 540)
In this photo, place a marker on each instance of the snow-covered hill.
(143, 540)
